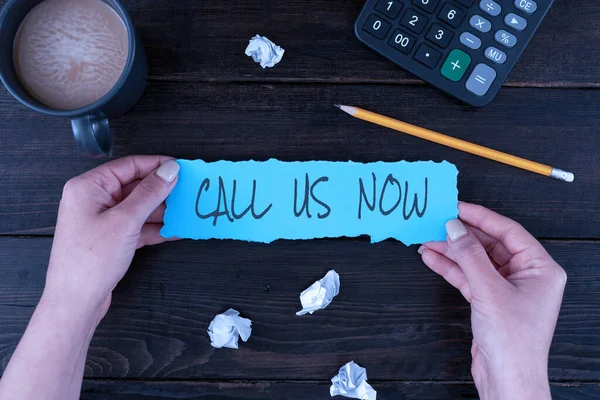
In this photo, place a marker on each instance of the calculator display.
(466, 48)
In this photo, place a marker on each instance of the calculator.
(466, 48)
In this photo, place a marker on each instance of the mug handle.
(92, 135)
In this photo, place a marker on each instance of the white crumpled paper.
(351, 381)
(225, 329)
(263, 51)
(320, 293)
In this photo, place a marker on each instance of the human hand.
(515, 289)
(104, 216)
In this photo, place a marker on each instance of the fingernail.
(168, 171)
(421, 250)
(456, 230)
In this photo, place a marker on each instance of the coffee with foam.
(70, 53)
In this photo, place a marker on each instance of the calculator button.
(388, 8)
(480, 23)
(456, 65)
(490, 7)
(481, 79)
(439, 35)
(427, 5)
(515, 21)
(451, 15)
(428, 56)
(377, 27)
(527, 6)
(414, 21)
(466, 3)
(495, 55)
(470, 40)
(505, 38)
(401, 41)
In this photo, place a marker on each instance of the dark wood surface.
(206, 99)
(392, 314)
(304, 390)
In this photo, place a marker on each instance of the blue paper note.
(266, 201)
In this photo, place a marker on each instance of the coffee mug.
(89, 123)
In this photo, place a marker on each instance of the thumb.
(471, 256)
(151, 191)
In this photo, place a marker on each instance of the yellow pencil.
(458, 144)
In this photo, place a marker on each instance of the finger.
(474, 349)
(150, 235)
(151, 192)
(112, 176)
(495, 249)
(440, 247)
(506, 270)
(132, 168)
(472, 258)
(512, 235)
(116, 174)
(127, 189)
(447, 269)
(157, 215)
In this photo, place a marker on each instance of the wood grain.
(393, 315)
(305, 390)
(299, 122)
(190, 40)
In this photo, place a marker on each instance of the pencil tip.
(346, 109)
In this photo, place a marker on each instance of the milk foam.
(70, 53)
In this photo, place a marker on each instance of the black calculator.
(466, 48)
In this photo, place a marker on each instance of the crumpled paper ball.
(320, 294)
(263, 51)
(351, 382)
(225, 329)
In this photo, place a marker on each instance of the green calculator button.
(456, 65)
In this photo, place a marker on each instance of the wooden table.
(206, 99)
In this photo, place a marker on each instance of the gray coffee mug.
(90, 123)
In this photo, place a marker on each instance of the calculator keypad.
(470, 40)
(439, 35)
(414, 21)
(390, 9)
(377, 27)
(490, 7)
(505, 38)
(402, 42)
(426, 5)
(481, 79)
(451, 14)
(515, 21)
(456, 65)
(527, 6)
(495, 55)
(466, 3)
(465, 47)
(428, 56)
(481, 24)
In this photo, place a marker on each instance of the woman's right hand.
(515, 289)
